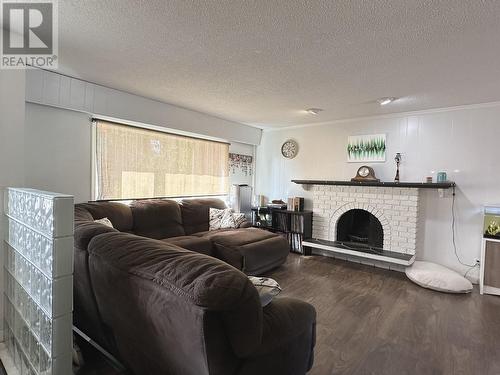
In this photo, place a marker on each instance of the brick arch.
(360, 206)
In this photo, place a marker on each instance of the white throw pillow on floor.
(434, 276)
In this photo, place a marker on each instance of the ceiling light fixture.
(313, 111)
(385, 101)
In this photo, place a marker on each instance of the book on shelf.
(297, 224)
(295, 204)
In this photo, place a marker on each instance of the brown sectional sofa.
(167, 296)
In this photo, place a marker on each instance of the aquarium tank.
(492, 222)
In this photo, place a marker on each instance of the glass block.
(46, 218)
(25, 336)
(17, 234)
(37, 249)
(24, 364)
(7, 314)
(16, 295)
(46, 293)
(46, 332)
(36, 285)
(34, 352)
(46, 258)
(34, 321)
(31, 280)
(9, 263)
(23, 303)
(9, 286)
(27, 250)
(31, 371)
(18, 272)
(17, 354)
(30, 270)
(15, 322)
(45, 363)
(30, 210)
(9, 340)
(37, 214)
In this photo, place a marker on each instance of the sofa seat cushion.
(251, 250)
(199, 244)
(210, 233)
(157, 218)
(240, 237)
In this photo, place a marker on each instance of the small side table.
(489, 277)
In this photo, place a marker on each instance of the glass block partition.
(39, 281)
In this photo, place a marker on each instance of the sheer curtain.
(133, 162)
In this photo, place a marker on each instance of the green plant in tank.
(493, 229)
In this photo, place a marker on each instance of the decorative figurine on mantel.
(398, 161)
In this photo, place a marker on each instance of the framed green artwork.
(366, 148)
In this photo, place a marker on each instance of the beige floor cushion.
(434, 276)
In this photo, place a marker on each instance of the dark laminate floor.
(374, 321)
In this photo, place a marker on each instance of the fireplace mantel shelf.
(415, 185)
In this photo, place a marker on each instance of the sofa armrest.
(85, 231)
(187, 279)
(285, 319)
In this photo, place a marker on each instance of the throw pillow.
(220, 219)
(239, 218)
(267, 288)
(105, 221)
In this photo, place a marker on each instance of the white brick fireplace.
(396, 208)
(389, 211)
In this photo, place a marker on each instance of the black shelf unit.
(296, 226)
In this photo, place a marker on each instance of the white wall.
(58, 151)
(463, 142)
(12, 95)
(49, 88)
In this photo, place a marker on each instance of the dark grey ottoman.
(251, 250)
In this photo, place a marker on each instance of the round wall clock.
(289, 149)
(365, 173)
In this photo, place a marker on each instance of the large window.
(133, 162)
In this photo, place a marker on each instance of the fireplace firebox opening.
(360, 230)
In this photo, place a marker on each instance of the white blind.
(134, 162)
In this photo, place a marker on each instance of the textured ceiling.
(262, 62)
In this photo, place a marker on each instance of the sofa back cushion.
(195, 213)
(119, 214)
(157, 218)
